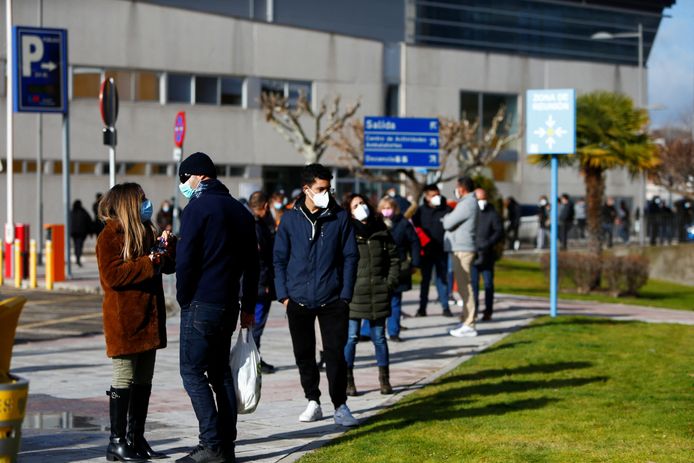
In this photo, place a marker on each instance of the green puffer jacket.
(377, 272)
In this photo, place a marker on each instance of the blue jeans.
(262, 309)
(378, 338)
(206, 331)
(396, 310)
(440, 263)
(487, 273)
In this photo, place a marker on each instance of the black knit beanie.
(198, 164)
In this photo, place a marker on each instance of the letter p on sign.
(32, 52)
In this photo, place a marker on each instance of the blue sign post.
(398, 143)
(41, 70)
(40, 67)
(551, 129)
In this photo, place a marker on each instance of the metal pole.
(642, 177)
(9, 225)
(112, 166)
(175, 220)
(66, 191)
(553, 283)
(39, 173)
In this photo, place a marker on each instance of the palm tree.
(610, 133)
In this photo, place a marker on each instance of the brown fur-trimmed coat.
(134, 311)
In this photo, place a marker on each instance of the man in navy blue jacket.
(216, 265)
(315, 262)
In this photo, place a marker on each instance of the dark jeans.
(564, 229)
(440, 263)
(262, 309)
(333, 320)
(377, 330)
(487, 273)
(206, 331)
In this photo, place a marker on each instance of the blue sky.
(671, 67)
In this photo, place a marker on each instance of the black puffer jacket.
(407, 242)
(377, 272)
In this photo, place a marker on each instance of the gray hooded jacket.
(461, 225)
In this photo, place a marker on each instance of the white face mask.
(435, 201)
(321, 200)
(482, 203)
(361, 212)
(457, 194)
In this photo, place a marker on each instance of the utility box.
(55, 232)
(21, 233)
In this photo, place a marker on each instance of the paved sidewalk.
(67, 412)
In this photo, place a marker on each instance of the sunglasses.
(183, 177)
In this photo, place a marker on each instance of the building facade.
(213, 59)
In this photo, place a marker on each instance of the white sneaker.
(463, 331)
(344, 417)
(313, 412)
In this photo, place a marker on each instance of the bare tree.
(303, 127)
(675, 171)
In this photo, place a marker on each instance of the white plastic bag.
(245, 366)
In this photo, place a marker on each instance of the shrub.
(585, 270)
(613, 274)
(636, 270)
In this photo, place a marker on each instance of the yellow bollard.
(32, 264)
(49, 264)
(18, 270)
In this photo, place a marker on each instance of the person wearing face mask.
(165, 216)
(428, 219)
(407, 244)
(461, 228)
(377, 278)
(315, 260)
(490, 232)
(134, 312)
(278, 202)
(217, 268)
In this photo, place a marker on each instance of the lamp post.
(642, 179)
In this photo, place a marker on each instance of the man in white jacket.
(461, 226)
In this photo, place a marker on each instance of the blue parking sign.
(40, 69)
(551, 121)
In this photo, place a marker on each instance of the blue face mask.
(146, 210)
(186, 190)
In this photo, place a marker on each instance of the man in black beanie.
(216, 253)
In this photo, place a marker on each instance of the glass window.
(178, 88)
(206, 89)
(392, 104)
(484, 106)
(124, 83)
(86, 167)
(294, 89)
(86, 83)
(135, 168)
(232, 91)
(146, 86)
(272, 87)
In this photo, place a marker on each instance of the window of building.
(286, 88)
(86, 83)
(392, 105)
(232, 91)
(178, 88)
(146, 86)
(206, 90)
(484, 106)
(135, 168)
(160, 169)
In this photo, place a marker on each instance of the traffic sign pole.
(553, 264)
(112, 166)
(9, 225)
(179, 137)
(66, 192)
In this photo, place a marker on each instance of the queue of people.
(333, 266)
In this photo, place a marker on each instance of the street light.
(603, 35)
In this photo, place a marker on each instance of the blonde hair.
(388, 201)
(122, 203)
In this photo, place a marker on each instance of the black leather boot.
(137, 415)
(118, 447)
(384, 380)
(351, 388)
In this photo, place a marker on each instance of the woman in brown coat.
(133, 311)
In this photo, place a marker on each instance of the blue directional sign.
(40, 69)
(395, 142)
(551, 121)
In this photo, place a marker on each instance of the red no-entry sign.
(180, 129)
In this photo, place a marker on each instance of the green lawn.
(526, 278)
(572, 389)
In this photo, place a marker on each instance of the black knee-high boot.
(137, 415)
(118, 447)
